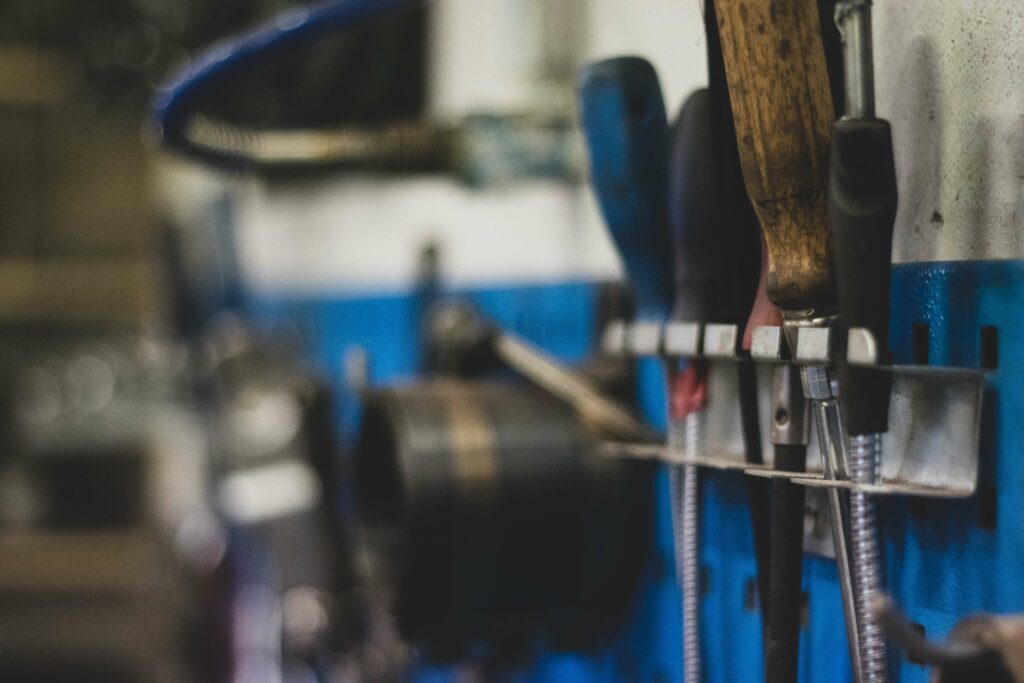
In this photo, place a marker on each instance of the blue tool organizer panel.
(943, 559)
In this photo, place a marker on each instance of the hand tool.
(712, 245)
(714, 241)
(782, 572)
(789, 437)
(626, 131)
(692, 221)
(739, 245)
(862, 212)
(783, 111)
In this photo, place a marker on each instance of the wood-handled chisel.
(783, 112)
(780, 523)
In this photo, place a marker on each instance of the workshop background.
(202, 355)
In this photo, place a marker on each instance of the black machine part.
(862, 212)
(508, 530)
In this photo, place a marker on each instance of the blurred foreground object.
(107, 538)
(979, 648)
(505, 527)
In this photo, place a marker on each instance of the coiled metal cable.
(864, 454)
(687, 437)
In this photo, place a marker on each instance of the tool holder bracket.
(931, 448)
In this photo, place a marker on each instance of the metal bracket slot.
(931, 448)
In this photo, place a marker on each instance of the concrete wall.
(950, 77)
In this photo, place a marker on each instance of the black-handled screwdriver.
(692, 223)
(862, 198)
(737, 242)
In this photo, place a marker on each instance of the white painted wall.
(363, 234)
(487, 54)
(669, 33)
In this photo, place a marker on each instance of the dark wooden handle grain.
(782, 107)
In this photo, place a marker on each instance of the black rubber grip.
(862, 210)
(691, 209)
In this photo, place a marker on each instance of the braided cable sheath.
(864, 452)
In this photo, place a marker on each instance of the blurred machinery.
(174, 503)
(169, 477)
(506, 529)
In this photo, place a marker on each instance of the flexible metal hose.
(864, 455)
(687, 437)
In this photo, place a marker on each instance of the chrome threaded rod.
(687, 438)
(864, 452)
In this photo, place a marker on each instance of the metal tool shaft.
(570, 387)
(854, 20)
(789, 436)
(864, 459)
(828, 420)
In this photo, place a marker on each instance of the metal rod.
(790, 418)
(569, 386)
(864, 459)
(854, 20)
(691, 549)
(818, 388)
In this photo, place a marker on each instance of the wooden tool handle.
(782, 107)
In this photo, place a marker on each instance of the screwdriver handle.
(626, 133)
(692, 211)
(782, 107)
(862, 212)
